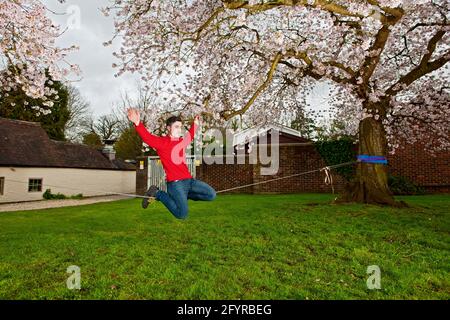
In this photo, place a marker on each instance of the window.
(2, 185)
(35, 185)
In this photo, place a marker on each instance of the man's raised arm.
(150, 139)
(189, 136)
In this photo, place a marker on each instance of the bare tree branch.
(424, 67)
(228, 115)
(322, 4)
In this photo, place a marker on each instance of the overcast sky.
(98, 84)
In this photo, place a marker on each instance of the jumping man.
(181, 186)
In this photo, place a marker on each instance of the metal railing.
(156, 174)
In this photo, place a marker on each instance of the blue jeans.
(178, 192)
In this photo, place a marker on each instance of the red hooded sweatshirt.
(171, 151)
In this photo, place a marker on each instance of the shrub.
(48, 195)
(338, 151)
(402, 186)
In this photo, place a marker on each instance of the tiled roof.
(286, 134)
(24, 143)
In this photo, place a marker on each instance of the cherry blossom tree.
(387, 61)
(28, 54)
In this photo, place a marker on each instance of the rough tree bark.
(371, 181)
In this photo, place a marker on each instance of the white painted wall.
(89, 182)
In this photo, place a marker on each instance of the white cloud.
(98, 84)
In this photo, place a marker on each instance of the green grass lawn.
(236, 247)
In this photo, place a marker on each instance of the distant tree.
(129, 144)
(92, 139)
(50, 111)
(304, 124)
(107, 127)
(80, 116)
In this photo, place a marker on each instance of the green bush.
(339, 151)
(402, 186)
(77, 196)
(49, 196)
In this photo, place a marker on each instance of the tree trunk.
(371, 181)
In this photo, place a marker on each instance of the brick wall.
(292, 160)
(417, 164)
(225, 176)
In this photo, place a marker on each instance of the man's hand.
(133, 115)
(197, 120)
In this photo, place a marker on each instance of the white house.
(31, 162)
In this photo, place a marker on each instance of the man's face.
(175, 129)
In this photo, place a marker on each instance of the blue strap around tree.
(372, 159)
